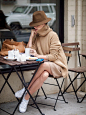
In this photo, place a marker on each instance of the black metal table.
(17, 67)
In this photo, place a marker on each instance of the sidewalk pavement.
(72, 108)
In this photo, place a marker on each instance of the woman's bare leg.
(37, 84)
(43, 67)
(41, 75)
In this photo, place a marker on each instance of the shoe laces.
(24, 103)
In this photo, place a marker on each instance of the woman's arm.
(55, 47)
(43, 57)
(31, 37)
(33, 52)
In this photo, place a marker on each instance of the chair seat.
(78, 69)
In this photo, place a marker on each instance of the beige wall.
(69, 33)
(84, 35)
(84, 26)
(76, 33)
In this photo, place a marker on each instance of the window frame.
(48, 8)
(31, 9)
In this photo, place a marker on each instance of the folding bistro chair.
(6, 34)
(78, 70)
(60, 93)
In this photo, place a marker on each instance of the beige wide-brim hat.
(39, 18)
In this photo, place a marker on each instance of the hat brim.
(32, 24)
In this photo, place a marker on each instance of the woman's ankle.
(27, 97)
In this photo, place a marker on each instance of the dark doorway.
(61, 21)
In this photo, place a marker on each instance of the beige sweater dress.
(46, 42)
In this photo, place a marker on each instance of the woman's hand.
(33, 32)
(33, 52)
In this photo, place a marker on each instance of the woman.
(45, 44)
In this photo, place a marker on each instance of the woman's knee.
(44, 65)
(44, 76)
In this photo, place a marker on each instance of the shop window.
(51, 9)
(45, 9)
(8, 1)
(33, 10)
(20, 9)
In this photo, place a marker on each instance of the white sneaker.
(23, 105)
(19, 93)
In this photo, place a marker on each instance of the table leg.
(6, 81)
(28, 86)
(22, 75)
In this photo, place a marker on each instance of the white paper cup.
(18, 57)
(11, 54)
(27, 51)
(23, 57)
(16, 52)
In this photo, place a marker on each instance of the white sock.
(26, 100)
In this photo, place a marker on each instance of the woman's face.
(38, 27)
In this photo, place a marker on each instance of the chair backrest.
(67, 52)
(6, 34)
(76, 44)
(72, 47)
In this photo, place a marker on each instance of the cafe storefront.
(70, 27)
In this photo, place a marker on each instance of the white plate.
(31, 58)
(6, 57)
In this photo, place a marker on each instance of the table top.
(13, 63)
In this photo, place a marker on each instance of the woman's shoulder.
(53, 34)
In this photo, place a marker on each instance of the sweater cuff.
(50, 57)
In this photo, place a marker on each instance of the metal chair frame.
(67, 50)
(79, 70)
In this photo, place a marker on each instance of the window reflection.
(20, 24)
(33, 10)
(45, 9)
(19, 9)
(51, 9)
